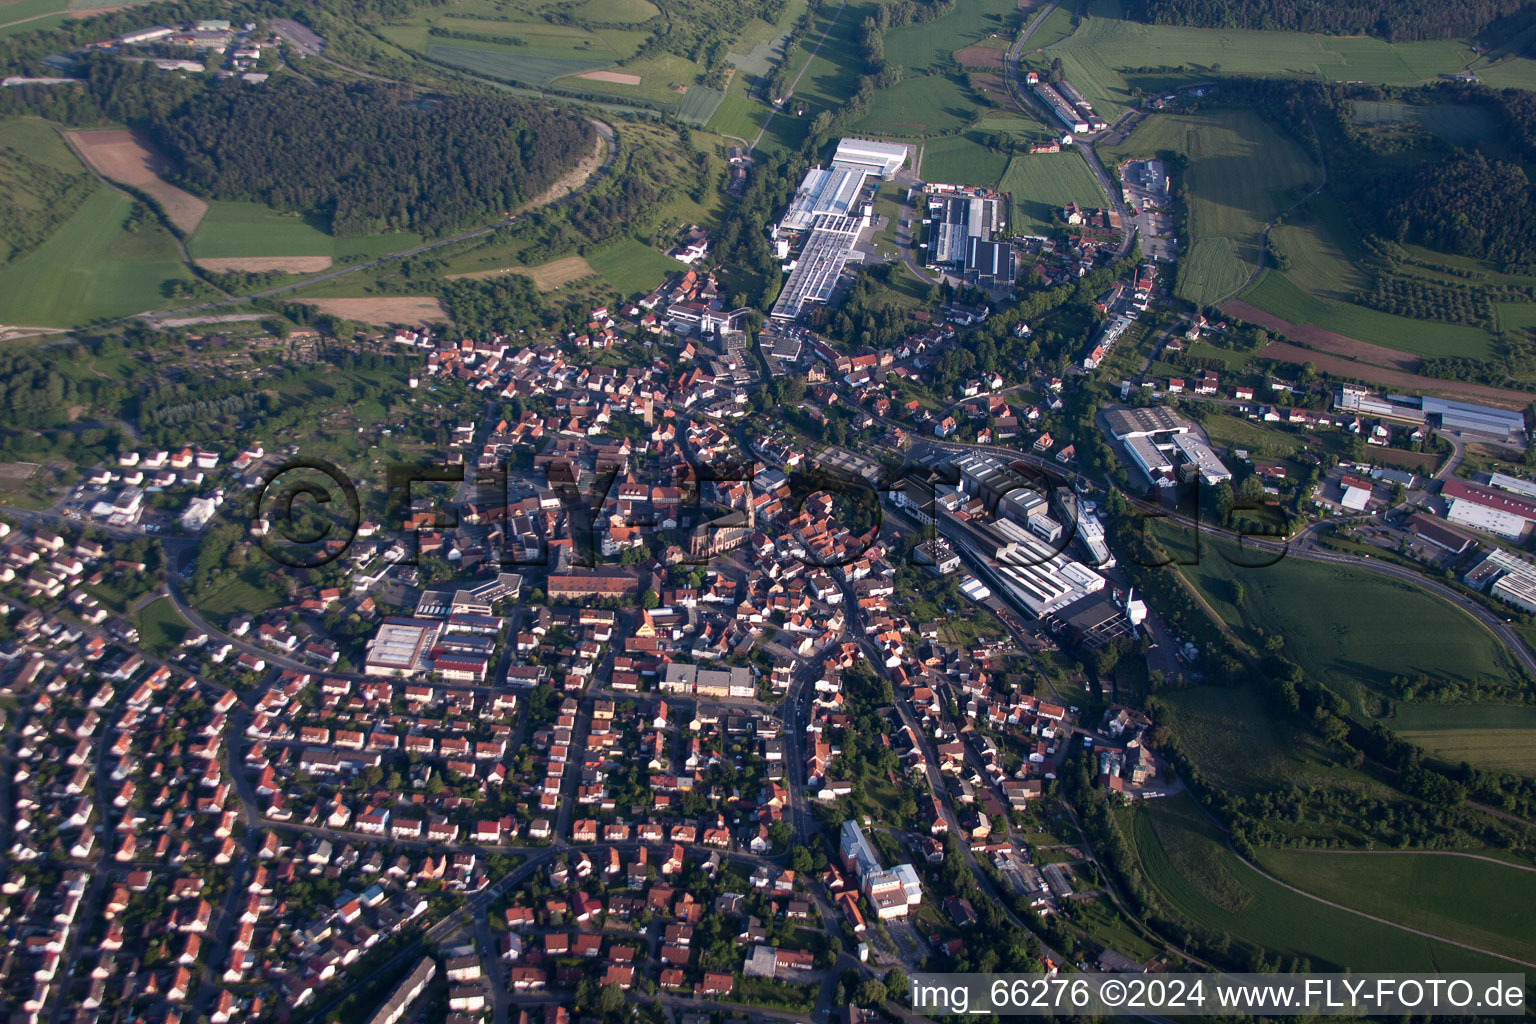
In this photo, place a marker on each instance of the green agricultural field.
(1097, 57)
(1242, 174)
(830, 77)
(17, 16)
(1274, 293)
(924, 106)
(931, 45)
(962, 160)
(233, 229)
(1495, 737)
(1040, 185)
(1186, 861)
(699, 105)
(632, 266)
(1514, 316)
(738, 115)
(87, 270)
(507, 63)
(1478, 902)
(1460, 123)
(1212, 271)
(1348, 628)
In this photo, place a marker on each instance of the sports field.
(91, 268)
(1186, 861)
(931, 45)
(1096, 57)
(234, 229)
(1495, 737)
(1042, 184)
(1242, 173)
(919, 106)
(1478, 902)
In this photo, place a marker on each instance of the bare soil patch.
(979, 55)
(17, 471)
(1396, 379)
(1325, 341)
(553, 274)
(262, 264)
(121, 156)
(384, 309)
(616, 77)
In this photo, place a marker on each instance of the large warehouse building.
(1513, 579)
(830, 205)
(831, 246)
(1159, 441)
(882, 159)
(1502, 426)
(1488, 508)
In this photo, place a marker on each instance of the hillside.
(371, 157)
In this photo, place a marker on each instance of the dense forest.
(369, 156)
(1468, 205)
(1395, 20)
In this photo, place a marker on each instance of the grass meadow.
(90, 268)
(1495, 737)
(1348, 628)
(1097, 57)
(1040, 184)
(1459, 123)
(1242, 173)
(962, 160)
(1185, 859)
(1478, 902)
(929, 46)
(920, 106)
(234, 229)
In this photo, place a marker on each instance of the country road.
(1083, 146)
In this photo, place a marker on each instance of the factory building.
(1488, 508)
(1501, 426)
(1506, 577)
(881, 159)
(828, 251)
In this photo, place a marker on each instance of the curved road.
(1303, 546)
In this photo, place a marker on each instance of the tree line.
(1392, 20)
